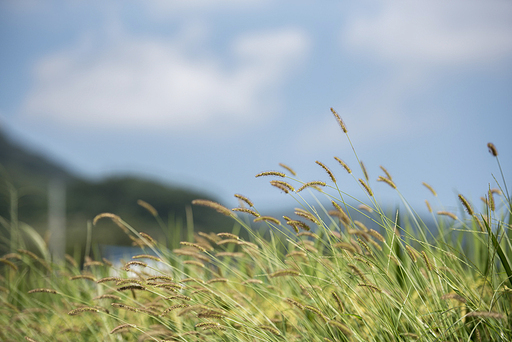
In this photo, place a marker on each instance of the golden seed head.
(9, 263)
(447, 213)
(228, 236)
(388, 175)
(252, 281)
(193, 262)
(387, 181)
(376, 235)
(364, 170)
(340, 122)
(342, 163)
(83, 276)
(366, 187)
(338, 301)
(413, 254)
(283, 273)
(244, 199)
(489, 314)
(214, 205)
(271, 173)
(43, 290)
(365, 208)
(492, 205)
(114, 217)
(270, 329)
(331, 175)
(146, 256)
(426, 260)
(289, 169)
(195, 245)
(306, 215)
(247, 211)
(466, 205)
(135, 263)
(131, 287)
(492, 149)
(122, 327)
(82, 309)
(312, 235)
(455, 296)
(342, 327)
(430, 188)
(148, 207)
(282, 185)
(371, 287)
(428, 206)
(317, 311)
(311, 184)
(268, 219)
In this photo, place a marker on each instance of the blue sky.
(206, 94)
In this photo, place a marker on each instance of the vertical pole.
(57, 219)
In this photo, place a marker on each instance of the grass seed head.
(366, 187)
(466, 205)
(329, 172)
(148, 207)
(271, 173)
(492, 149)
(214, 205)
(430, 188)
(340, 122)
(245, 200)
(342, 163)
(287, 168)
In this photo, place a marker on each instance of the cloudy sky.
(206, 94)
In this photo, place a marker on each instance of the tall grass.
(321, 275)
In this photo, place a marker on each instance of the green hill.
(25, 177)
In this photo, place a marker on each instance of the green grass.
(339, 281)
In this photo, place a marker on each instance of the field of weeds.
(320, 275)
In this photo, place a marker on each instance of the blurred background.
(103, 103)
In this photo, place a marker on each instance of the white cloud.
(148, 83)
(436, 32)
(413, 44)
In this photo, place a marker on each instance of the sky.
(206, 94)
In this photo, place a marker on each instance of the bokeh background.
(206, 94)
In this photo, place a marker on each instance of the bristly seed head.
(492, 149)
(387, 181)
(148, 207)
(388, 175)
(490, 201)
(340, 122)
(366, 187)
(430, 188)
(447, 213)
(364, 170)
(426, 260)
(282, 185)
(466, 205)
(247, 211)
(428, 206)
(289, 169)
(245, 199)
(271, 173)
(214, 205)
(311, 184)
(43, 290)
(331, 175)
(268, 219)
(342, 163)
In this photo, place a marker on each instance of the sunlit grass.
(321, 275)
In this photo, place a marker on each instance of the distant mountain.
(30, 174)
(23, 167)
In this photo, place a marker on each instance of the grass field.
(320, 275)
